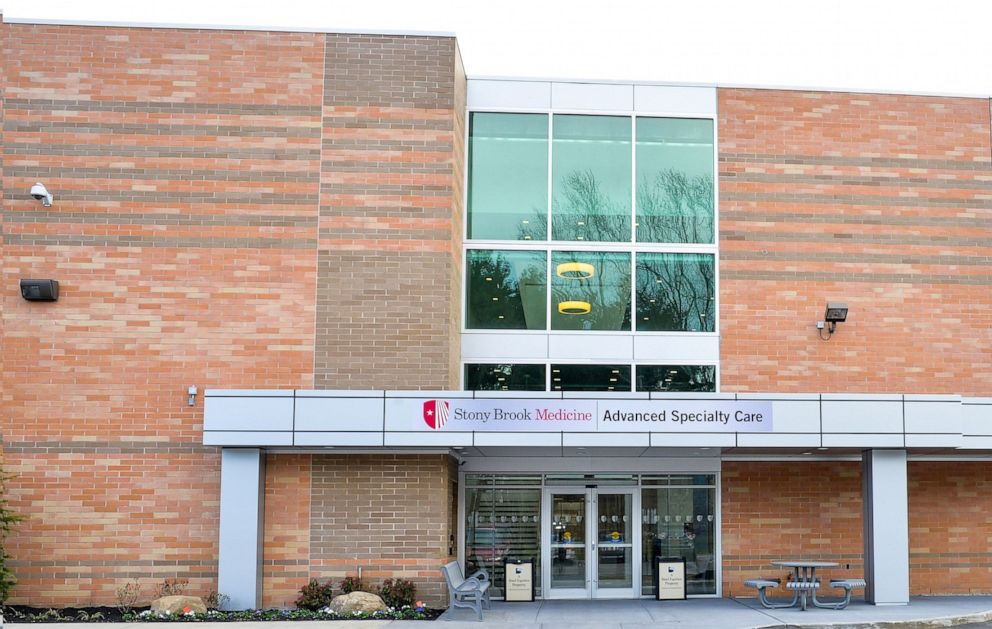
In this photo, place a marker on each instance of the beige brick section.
(389, 277)
(390, 515)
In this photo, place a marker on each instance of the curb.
(926, 623)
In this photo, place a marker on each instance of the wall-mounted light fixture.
(191, 391)
(41, 193)
(835, 313)
(40, 290)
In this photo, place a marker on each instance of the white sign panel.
(542, 415)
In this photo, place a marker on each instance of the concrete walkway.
(944, 611)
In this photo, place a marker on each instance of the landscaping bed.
(21, 613)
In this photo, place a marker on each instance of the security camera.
(41, 193)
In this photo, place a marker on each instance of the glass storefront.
(502, 521)
(593, 536)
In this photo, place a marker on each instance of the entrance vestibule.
(593, 536)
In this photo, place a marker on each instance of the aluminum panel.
(496, 94)
(796, 416)
(592, 96)
(242, 492)
(862, 440)
(934, 441)
(338, 439)
(522, 439)
(376, 393)
(253, 439)
(933, 417)
(248, 413)
(427, 439)
(485, 347)
(601, 440)
(868, 416)
(339, 413)
(693, 440)
(677, 349)
(599, 347)
(773, 440)
(671, 99)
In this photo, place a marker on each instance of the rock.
(179, 605)
(358, 602)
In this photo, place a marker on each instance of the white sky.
(876, 45)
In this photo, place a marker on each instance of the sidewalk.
(722, 614)
(922, 612)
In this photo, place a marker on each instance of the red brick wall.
(776, 510)
(880, 201)
(783, 510)
(950, 525)
(188, 238)
(286, 546)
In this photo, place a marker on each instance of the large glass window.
(675, 292)
(661, 378)
(590, 377)
(500, 524)
(506, 289)
(590, 290)
(679, 522)
(505, 377)
(591, 184)
(674, 180)
(508, 176)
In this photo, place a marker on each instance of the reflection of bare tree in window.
(500, 299)
(674, 207)
(698, 378)
(607, 292)
(496, 377)
(675, 292)
(584, 211)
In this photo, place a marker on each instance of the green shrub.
(315, 595)
(8, 518)
(397, 593)
(353, 584)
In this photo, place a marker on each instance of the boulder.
(358, 602)
(179, 605)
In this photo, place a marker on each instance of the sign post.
(671, 579)
(519, 580)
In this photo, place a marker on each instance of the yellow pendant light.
(575, 270)
(574, 307)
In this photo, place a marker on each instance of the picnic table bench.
(804, 584)
(471, 592)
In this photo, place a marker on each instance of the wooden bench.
(471, 592)
(847, 585)
(768, 582)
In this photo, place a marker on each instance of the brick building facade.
(276, 211)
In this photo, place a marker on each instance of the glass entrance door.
(589, 541)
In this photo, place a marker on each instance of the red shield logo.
(435, 413)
